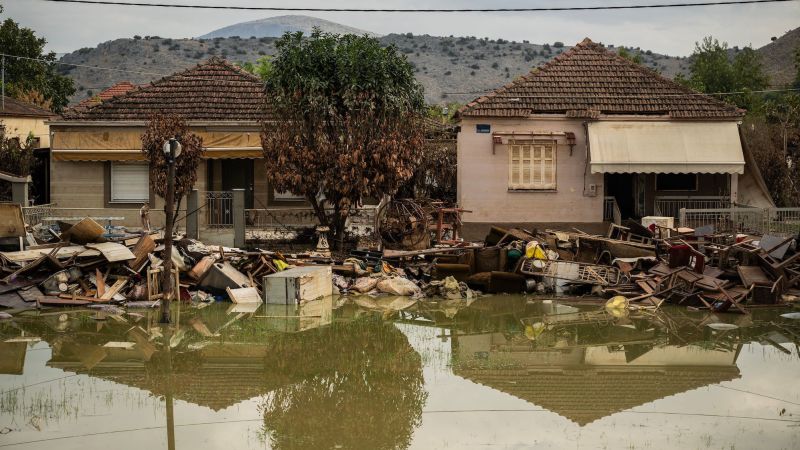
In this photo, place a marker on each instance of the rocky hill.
(276, 26)
(778, 57)
(452, 69)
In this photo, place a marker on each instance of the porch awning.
(665, 147)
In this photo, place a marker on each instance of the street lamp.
(172, 149)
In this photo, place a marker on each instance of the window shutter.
(532, 165)
(130, 183)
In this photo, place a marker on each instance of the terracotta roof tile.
(14, 108)
(118, 89)
(215, 90)
(589, 80)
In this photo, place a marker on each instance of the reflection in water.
(356, 384)
(348, 377)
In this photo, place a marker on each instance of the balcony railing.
(219, 209)
(670, 206)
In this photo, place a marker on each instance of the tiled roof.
(215, 90)
(16, 108)
(589, 80)
(584, 394)
(118, 89)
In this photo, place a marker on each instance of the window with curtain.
(130, 183)
(532, 165)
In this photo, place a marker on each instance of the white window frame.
(522, 155)
(115, 197)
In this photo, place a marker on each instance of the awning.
(665, 147)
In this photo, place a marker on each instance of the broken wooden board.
(143, 247)
(113, 252)
(48, 300)
(114, 289)
(751, 275)
(30, 294)
(244, 295)
(12, 224)
(65, 252)
(84, 232)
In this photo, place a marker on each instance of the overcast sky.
(68, 27)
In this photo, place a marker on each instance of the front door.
(238, 174)
(622, 186)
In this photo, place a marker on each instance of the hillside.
(452, 69)
(778, 57)
(277, 26)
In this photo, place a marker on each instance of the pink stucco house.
(591, 135)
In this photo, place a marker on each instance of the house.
(20, 120)
(590, 134)
(97, 163)
(107, 94)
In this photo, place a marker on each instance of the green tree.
(625, 53)
(712, 71)
(37, 74)
(262, 68)
(346, 122)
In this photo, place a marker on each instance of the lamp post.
(172, 149)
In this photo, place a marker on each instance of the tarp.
(665, 147)
(124, 144)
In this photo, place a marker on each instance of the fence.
(219, 209)
(743, 220)
(670, 206)
(34, 214)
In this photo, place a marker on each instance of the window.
(676, 182)
(130, 183)
(287, 196)
(532, 165)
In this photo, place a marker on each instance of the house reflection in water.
(587, 371)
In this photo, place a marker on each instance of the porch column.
(734, 188)
(19, 192)
(238, 218)
(192, 221)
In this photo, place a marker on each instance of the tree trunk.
(169, 210)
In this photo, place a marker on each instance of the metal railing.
(611, 211)
(670, 206)
(34, 214)
(359, 221)
(219, 209)
(743, 220)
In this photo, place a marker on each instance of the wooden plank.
(56, 301)
(113, 252)
(83, 232)
(12, 223)
(30, 294)
(114, 289)
(244, 295)
(99, 282)
(143, 247)
(751, 275)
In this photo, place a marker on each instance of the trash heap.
(632, 264)
(86, 263)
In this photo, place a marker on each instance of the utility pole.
(172, 149)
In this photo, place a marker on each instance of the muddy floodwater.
(499, 372)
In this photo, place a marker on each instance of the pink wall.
(483, 176)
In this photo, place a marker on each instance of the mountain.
(778, 58)
(452, 69)
(277, 26)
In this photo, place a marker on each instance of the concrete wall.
(79, 189)
(483, 176)
(21, 126)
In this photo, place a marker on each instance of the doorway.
(622, 186)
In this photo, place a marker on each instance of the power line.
(504, 95)
(421, 10)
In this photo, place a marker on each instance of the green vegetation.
(347, 122)
(27, 77)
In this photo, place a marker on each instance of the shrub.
(136, 37)
(558, 44)
(448, 73)
(495, 65)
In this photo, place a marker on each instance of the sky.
(68, 27)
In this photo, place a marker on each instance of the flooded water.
(502, 372)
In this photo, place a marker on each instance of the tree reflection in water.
(351, 385)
